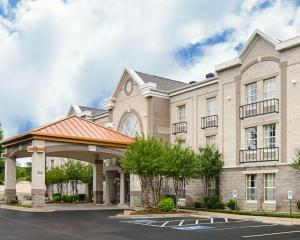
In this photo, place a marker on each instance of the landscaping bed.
(147, 211)
(261, 214)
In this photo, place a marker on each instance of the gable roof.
(74, 129)
(253, 38)
(94, 111)
(162, 84)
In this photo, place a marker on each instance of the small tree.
(87, 179)
(144, 158)
(73, 170)
(56, 176)
(181, 164)
(211, 164)
(296, 163)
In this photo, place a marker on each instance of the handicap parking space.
(210, 227)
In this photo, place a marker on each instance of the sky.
(55, 53)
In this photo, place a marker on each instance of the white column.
(98, 182)
(107, 192)
(10, 179)
(38, 186)
(122, 188)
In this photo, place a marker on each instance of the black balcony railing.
(259, 155)
(180, 127)
(259, 108)
(209, 121)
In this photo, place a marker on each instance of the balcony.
(259, 108)
(259, 155)
(209, 121)
(180, 127)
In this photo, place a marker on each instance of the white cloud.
(54, 54)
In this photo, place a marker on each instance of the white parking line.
(270, 234)
(211, 220)
(180, 224)
(226, 220)
(255, 226)
(164, 224)
(196, 222)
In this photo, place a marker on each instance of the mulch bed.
(151, 211)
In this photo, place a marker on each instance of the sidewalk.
(270, 220)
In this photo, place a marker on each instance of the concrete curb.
(24, 209)
(269, 220)
(176, 215)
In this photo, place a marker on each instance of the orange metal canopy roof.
(73, 129)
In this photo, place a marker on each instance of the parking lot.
(92, 225)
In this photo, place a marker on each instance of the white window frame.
(250, 139)
(211, 106)
(251, 93)
(269, 88)
(270, 135)
(271, 186)
(181, 113)
(250, 188)
(211, 140)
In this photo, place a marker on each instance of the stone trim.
(268, 58)
(38, 191)
(283, 112)
(135, 193)
(238, 120)
(10, 191)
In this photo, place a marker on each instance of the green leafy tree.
(87, 179)
(296, 163)
(181, 165)
(211, 164)
(24, 173)
(73, 170)
(2, 162)
(56, 176)
(144, 158)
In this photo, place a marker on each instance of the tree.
(56, 176)
(87, 179)
(144, 158)
(296, 163)
(211, 164)
(2, 162)
(24, 173)
(73, 170)
(181, 164)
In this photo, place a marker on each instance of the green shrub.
(56, 198)
(81, 197)
(213, 202)
(166, 204)
(56, 194)
(298, 205)
(231, 204)
(198, 204)
(64, 198)
(219, 205)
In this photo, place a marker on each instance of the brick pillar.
(98, 182)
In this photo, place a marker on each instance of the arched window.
(131, 126)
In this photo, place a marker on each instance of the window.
(52, 163)
(270, 136)
(269, 88)
(211, 140)
(182, 190)
(251, 137)
(251, 187)
(181, 142)
(131, 126)
(251, 93)
(211, 106)
(181, 113)
(269, 189)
